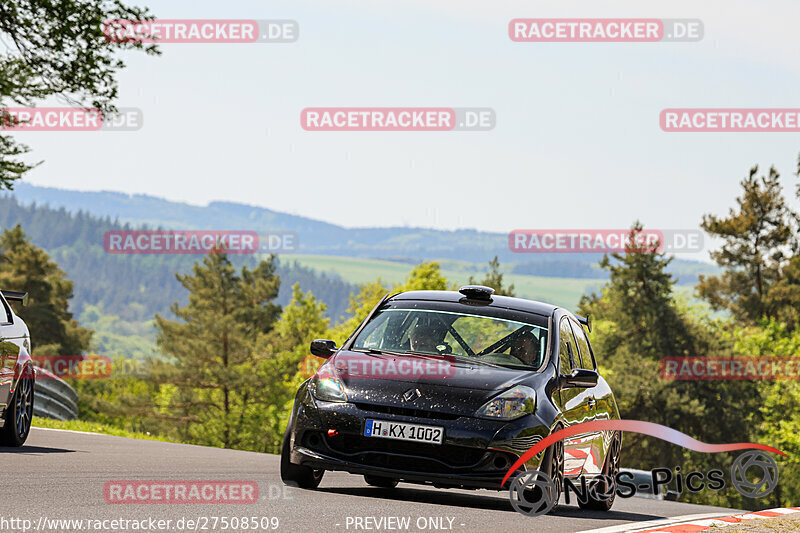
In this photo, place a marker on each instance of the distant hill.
(403, 244)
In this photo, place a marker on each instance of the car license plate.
(404, 431)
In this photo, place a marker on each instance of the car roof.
(501, 302)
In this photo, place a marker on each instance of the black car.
(449, 389)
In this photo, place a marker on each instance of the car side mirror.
(323, 348)
(579, 377)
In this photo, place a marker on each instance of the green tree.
(58, 49)
(783, 298)
(780, 399)
(756, 239)
(25, 267)
(639, 297)
(426, 276)
(494, 279)
(303, 320)
(212, 346)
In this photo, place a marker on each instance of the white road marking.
(705, 521)
(650, 524)
(70, 431)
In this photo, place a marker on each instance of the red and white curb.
(693, 523)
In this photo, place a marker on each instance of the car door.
(596, 453)
(577, 403)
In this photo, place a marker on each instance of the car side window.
(587, 358)
(567, 351)
(375, 337)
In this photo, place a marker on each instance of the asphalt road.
(61, 475)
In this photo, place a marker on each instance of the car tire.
(298, 475)
(380, 481)
(553, 465)
(600, 497)
(18, 414)
(554, 459)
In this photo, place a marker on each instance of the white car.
(17, 374)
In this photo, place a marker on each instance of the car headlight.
(327, 386)
(513, 403)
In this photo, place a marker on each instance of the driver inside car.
(422, 339)
(526, 348)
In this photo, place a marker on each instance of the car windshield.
(483, 339)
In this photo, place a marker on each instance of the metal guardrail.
(53, 397)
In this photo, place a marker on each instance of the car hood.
(443, 383)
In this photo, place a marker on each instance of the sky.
(577, 142)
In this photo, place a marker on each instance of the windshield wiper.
(429, 356)
(375, 351)
(469, 359)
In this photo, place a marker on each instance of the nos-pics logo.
(535, 492)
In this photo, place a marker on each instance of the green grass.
(93, 427)
(565, 292)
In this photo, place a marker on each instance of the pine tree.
(213, 345)
(639, 297)
(757, 239)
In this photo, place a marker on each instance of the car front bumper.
(476, 453)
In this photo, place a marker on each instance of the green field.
(564, 292)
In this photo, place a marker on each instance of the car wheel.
(554, 459)
(380, 481)
(553, 465)
(18, 414)
(601, 494)
(298, 475)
